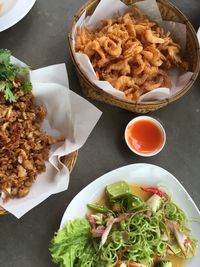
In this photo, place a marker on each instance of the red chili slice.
(186, 242)
(156, 191)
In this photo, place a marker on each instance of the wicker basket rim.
(137, 103)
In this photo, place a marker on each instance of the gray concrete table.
(40, 39)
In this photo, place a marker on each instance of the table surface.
(40, 39)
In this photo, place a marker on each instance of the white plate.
(12, 11)
(140, 174)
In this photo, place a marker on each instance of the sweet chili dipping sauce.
(144, 136)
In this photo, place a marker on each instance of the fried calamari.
(131, 52)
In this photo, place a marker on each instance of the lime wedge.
(118, 190)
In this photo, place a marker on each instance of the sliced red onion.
(110, 223)
(98, 232)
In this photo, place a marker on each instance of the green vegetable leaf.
(2, 86)
(8, 94)
(5, 56)
(71, 246)
(27, 87)
(22, 71)
(10, 74)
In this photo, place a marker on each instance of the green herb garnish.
(12, 77)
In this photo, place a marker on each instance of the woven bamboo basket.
(168, 12)
(68, 160)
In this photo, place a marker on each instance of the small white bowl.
(158, 125)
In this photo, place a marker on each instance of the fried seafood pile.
(131, 52)
(24, 147)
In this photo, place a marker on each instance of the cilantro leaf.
(5, 56)
(8, 94)
(27, 87)
(22, 71)
(2, 86)
(11, 75)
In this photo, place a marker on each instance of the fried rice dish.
(131, 52)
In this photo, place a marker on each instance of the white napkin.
(68, 115)
(108, 9)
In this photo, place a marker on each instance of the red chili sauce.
(144, 136)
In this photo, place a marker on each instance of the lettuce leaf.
(71, 246)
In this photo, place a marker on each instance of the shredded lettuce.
(71, 246)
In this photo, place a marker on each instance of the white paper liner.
(198, 35)
(108, 9)
(68, 115)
